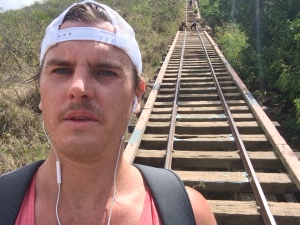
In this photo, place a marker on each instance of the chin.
(83, 151)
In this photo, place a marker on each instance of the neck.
(83, 179)
(87, 190)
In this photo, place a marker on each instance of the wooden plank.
(219, 142)
(190, 127)
(160, 117)
(238, 109)
(202, 110)
(155, 158)
(204, 142)
(221, 159)
(200, 117)
(189, 79)
(199, 103)
(247, 213)
(211, 127)
(193, 84)
(189, 110)
(215, 127)
(209, 159)
(200, 84)
(236, 102)
(211, 109)
(189, 97)
(222, 181)
(196, 76)
(198, 90)
(229, 89)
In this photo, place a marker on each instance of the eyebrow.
(108, 65)
(57, 62)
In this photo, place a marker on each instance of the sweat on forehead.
(123, 37)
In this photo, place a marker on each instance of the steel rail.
(168, 159)
(136, 137)
(169, 150)
(255, 185)
(284, 151)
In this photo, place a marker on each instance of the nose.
(80, 87)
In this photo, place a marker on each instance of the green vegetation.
(231, 41)
(21, 31)
(261, 39)
(195, 10)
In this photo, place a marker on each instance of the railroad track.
(202, 122)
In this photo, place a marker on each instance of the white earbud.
(134, 104)
(58, 170)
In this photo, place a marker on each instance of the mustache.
(84, 106)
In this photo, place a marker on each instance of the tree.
(270, 60)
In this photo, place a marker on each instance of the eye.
(62, 71)
(106, 73)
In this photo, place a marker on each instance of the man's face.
(87, 91)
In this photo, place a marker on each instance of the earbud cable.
(116, 168)
(58, 174)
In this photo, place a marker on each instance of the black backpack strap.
(170, 196)
(13, 187)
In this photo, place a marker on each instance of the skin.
(87, 94)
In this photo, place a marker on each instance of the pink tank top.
(26, 214)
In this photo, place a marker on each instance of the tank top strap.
(149, 214)
(26, 212)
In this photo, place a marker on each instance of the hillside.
(21, 136)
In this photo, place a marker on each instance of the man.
(89, 87)
(182, 26)
(194, 24)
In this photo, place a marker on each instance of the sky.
(16, 4)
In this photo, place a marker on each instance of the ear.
(139, 93)
(141, 88)
(134, 105)
(40, 106)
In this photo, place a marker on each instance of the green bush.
(231, 41)
(195, 10)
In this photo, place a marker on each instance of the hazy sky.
(16, 4)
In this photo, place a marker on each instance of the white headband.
(124, 38)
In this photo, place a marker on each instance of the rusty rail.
(255, 185)
(168, 160)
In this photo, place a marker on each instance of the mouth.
(80, 116)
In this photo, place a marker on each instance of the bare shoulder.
(202, 211)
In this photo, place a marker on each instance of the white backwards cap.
(124, 38)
